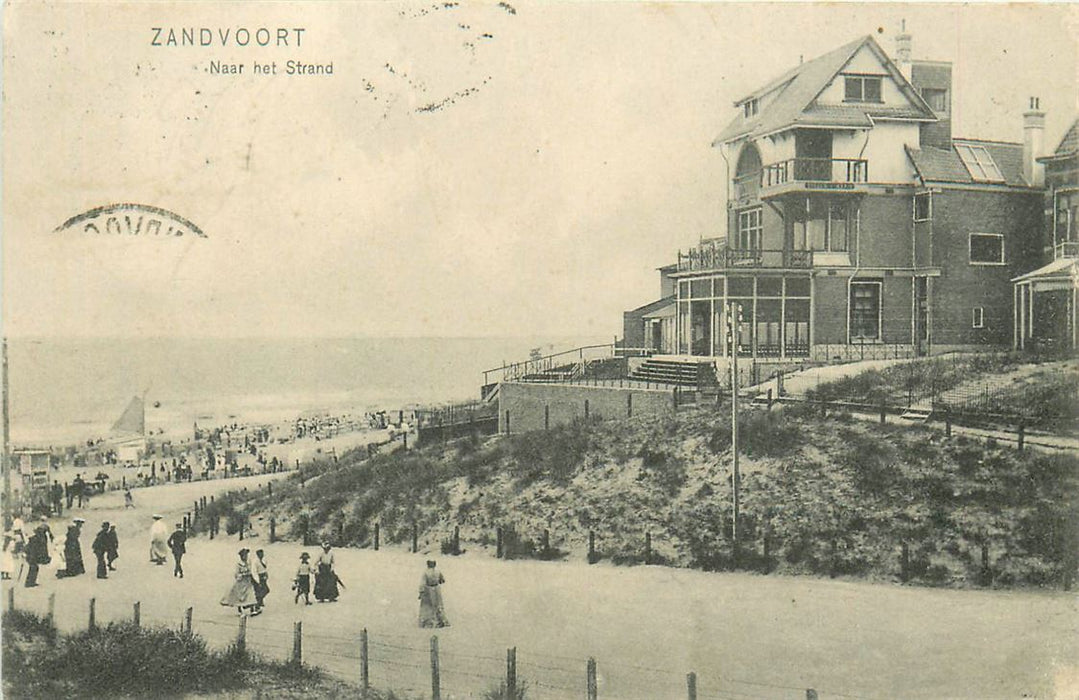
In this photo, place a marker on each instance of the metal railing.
(577, 357)
(816, 170)
(712, 256)
(1066, 249)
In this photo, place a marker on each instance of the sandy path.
(744, 635)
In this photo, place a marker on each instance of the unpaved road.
(744, 635)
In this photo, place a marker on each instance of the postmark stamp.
(129, 219)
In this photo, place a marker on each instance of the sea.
(67, 391)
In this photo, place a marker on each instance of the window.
(822, 224)
(979, 163)
(865, 310)
(862, 88)
(986, 249)
(700, 289)
(936, 98)
(923, 206)
(1067, 217)
(749, 229)
(751, 107)
(978, 318)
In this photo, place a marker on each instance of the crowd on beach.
(247, 590)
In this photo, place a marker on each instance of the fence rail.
(428, 666)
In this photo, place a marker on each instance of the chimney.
(903, 51)
(1033, 136)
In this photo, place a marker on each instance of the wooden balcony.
(814, 174)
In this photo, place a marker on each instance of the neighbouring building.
(1046, 313)
(856, 217)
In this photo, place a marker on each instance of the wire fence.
(433, 667)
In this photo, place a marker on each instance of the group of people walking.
(40, 549)
(249, 587)
(250, 584)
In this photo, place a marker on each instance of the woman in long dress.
(432, 614)
(325, 576)
(241, 594)
(159, 538)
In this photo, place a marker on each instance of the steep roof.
(944, 164)
(800, 86)
(1069, 145)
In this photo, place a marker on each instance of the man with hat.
(73, 551)
(178, 544)
(159, 536)
(100, 547)
(37, 553)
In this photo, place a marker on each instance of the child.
(302, 584)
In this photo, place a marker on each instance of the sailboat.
(129, 432)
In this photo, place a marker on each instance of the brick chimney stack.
(1033, 138)
(903, 51)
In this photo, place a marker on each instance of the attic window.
(862, 88)
(936, 98)
(979, 163)
(751, 107)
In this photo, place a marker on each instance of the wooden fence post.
(52, 609)
(364, 677)
(136, 614)
(498, 542)
(415, 537)
(11, 598)
(511, 673)
(456, 539)
(648, 548)
(297, 643)
(904, 563)
(593, 688)
(187, 620)
(378, 528)
(1022, 435)
(591, 547)
(546, 542)
(242, 523)
(273, 530)
(987, 573)
(883, 412)
(769, 408)
(92, 624)
(241, 636)
(691, 685)
(436, 693)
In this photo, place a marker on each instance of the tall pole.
(6, 457)
(735, 321)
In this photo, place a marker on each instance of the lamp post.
(734, 320)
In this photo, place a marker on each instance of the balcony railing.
(715, 257)
(847, 170)
(1066, 249)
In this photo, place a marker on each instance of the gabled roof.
(653, 306)
(800, 86)
(944, 164)
(1069, 145)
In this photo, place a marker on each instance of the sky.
(473, 169)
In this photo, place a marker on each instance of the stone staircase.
(677, 372)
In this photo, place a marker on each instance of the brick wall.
(830, 312)
(532, 406)
(885, 236)
(962, 286)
